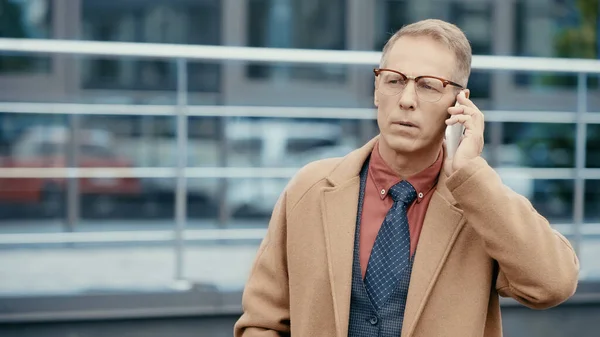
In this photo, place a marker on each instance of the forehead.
(421, 55)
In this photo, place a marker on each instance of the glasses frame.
(444, 81)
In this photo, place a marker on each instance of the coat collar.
(339, 204)
(349, 169)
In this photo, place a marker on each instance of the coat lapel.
(339, 205)
(441, 227)
(339, 217)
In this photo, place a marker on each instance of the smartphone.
(453, 136)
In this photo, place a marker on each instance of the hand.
(471, 144)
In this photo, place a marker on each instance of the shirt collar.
(384, 177)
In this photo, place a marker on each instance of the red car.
(45, 147)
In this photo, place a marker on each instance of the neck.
(407, 164)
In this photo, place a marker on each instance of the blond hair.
(446, 33)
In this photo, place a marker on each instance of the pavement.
(57, 271)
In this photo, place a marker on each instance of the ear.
(467, 92)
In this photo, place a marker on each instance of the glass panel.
(592, 151)
(590, 250)
(285, 143)
(540, 144)
(86, 269)
(46, 141)
(304, 24)
(553, 199)
(25, 19)
(592, 200)
(179, 22)
(594, 95)
(555, 28)
(205, 265)
(251, 200)
(474, 19)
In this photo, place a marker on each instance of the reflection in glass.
(592, 200)
(593, 146)
(553, 28)
(304, 24)
(541, 144)
(554, 199)
(25, 19)
(181, 22)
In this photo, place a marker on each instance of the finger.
(476, 114)
(464, 110)
(465, 120)
(463, 100)
(455, 110)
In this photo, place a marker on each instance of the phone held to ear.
(453, 135)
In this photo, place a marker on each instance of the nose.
(408, 97)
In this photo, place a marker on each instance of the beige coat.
(479, 240)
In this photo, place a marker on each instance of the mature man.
(396, 238)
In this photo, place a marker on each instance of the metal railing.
(182, 110)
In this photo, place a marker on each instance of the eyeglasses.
(428, 88)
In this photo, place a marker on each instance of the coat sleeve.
(265, 301)
(537, 265)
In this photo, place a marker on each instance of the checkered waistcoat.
(365, 320)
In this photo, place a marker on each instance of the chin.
(400, 143)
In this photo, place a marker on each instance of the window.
(556, 28)
(25, 19)
(475, 20)
(300, 145)
(391, 16)
(153, 21)
(304, 24)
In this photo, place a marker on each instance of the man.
(396, 238)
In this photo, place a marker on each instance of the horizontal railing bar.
(272, 112)
(147, 172)
(511, 116)
(262, 54)
(248, 172)
(87, 109)
(541, 173)
(131, 236)
(590, 229)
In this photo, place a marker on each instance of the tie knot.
(403, 191)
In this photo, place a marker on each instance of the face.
(407, 123)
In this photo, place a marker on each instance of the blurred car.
(276, 144)
(47, 147)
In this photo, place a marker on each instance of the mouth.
(406, 124)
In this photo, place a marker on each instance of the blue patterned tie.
(391, 252)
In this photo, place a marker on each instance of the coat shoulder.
(309, 176)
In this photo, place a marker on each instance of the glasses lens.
(430, 89)
(391, 83)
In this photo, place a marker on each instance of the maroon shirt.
(377, 202)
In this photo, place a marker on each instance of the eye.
(429, 84)
(394, 80)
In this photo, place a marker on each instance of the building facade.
(542, 28)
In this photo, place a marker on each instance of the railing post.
(580, 147)
(181, 191)
(73, 194)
